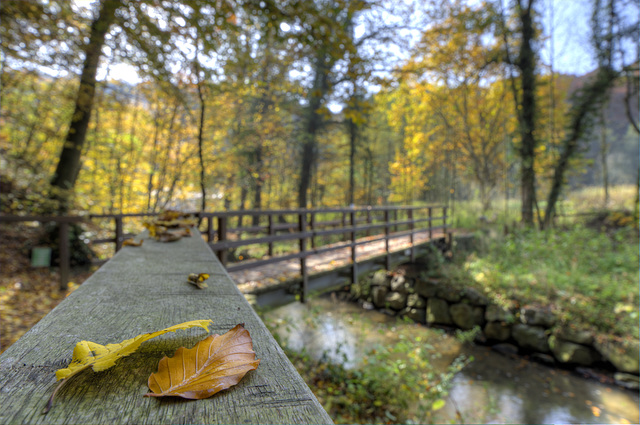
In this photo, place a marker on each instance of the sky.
(566, 30)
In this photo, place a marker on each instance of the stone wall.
(532, 330)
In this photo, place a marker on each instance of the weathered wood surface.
(144, 289)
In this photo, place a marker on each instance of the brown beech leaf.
(214, 364)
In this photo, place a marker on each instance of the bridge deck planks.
(144, 289)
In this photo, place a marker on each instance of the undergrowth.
(587, 277)
(393, 383)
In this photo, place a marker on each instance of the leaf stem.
(60, 385)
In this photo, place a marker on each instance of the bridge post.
(411, 239)
(444, 220)
(312, 223)
(119, 232)
(302, 227)
(430, 224)
(222, 236)
(209, 228)
(386, 239)
(354, 259)
(272, 231)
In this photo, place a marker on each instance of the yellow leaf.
(214, 364)
(132, 242)
(595, 410)
(198, 279)
(100, 357)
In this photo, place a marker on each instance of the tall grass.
(469, 215)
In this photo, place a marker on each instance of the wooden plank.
(144, 289)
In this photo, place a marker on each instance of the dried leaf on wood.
(171, 218)
(154, 229)
(167, 237)
(132, 242)
(101, 357)
(88, 354)
(198, 279)
(214, 364)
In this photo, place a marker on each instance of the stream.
(493, 388)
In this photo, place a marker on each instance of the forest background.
(264, 104)
(306, 104)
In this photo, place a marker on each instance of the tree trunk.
(527, 64)
(588, 100)
(203, 189)
(604, 151)
(313, 122)
(243, 200)
(68, 166)
(586, 103)
(353, 134)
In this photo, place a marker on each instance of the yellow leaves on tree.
(214, 364)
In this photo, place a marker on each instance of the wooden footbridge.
(144, 289)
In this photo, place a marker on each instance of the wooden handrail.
(135, 292)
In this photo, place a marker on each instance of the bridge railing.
(318, 231)
(298, 233)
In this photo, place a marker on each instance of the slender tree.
(609, 31)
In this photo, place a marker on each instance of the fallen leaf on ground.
(101, 357)
(214, 364)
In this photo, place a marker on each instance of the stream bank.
(495, 387)
(421, 293)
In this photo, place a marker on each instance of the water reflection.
(492, 389)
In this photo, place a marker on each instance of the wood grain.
(144, 289)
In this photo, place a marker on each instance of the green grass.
(588, 278)
(466, 214)
(589, 198)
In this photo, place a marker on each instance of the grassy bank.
(589, 278)
(585, 269)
